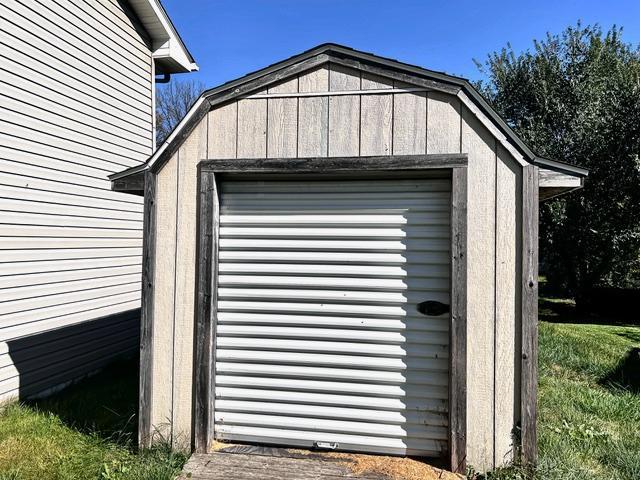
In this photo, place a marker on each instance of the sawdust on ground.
(218, 445)
(396, 468)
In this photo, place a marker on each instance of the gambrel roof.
(333, 53)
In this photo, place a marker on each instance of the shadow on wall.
(51, 360)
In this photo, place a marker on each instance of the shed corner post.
(205, 296)
(529, 373)
(458, 327)
(146, 312)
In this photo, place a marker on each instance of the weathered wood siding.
(75, 106)
(373, 124)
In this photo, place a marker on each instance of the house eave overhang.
(168, 50)
(332, 52)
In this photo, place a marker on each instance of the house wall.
(354, 125)
(75, 106)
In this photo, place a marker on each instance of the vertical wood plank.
(313, 116)
(409, 122)
(481, 292)
(508, 247)
(282, 141)
(164, 289)
(252, 128)
(443, 123)
(529, 375)
(344, 113)
(146, 313)
(376, 117)
(222, 132)
(194, 149)
(206, 263)
(458, 327)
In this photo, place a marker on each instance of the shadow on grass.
(626, 375)
(563, 310)
(633, 336)
(104, 404)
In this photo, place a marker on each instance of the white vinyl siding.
(318, 338)
(75, 106)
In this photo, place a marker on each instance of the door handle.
(432, 308)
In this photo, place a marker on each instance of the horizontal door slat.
(365, 415)
(331, 360)
(346, 442)
(436, 283)
(343, 374)
(349, 348)
(308, 332)
(413, 245)
(367, 395)
(414, 323)
(434, 218)
(319, 269)
(311, 232)
(325, 425)
(337, 296)
(379, 310)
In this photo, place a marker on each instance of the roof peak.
(335, 53)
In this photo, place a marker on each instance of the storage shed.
(341, 253)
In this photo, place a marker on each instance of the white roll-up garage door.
(318, 339)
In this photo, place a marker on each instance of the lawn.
(84, 432)
(589, 408)
(589, 415)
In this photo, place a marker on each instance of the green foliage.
(576, 98)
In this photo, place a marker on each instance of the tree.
(576, 98)
(173, 101)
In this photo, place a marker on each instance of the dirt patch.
(396, 468)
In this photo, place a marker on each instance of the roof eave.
(560, 167)
(168, 49)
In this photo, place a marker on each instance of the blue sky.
(232, 38)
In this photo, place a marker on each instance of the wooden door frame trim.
(206, 254)
(529, 317)
(205, 310)
(389, 163)
(458, 323)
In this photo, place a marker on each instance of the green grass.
(588, 419)
(85, 432)
(588, 426)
